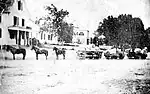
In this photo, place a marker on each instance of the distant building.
(44, 36)
(81, 36)
(14, 28)
(47, 37)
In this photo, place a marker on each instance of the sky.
(86, 14)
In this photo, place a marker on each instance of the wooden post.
(17, 37)
(25, 38)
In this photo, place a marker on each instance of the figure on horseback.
(39, 51)
(59, 52)
(15, 50)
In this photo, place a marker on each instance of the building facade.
(14, 27)
(47, 37)
(81, 36)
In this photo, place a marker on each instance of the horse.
(14, 51)
(38, 51)
(59, 52)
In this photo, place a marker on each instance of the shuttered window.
(23, 22)
(16, 20)
(0, 18)
(0, 33)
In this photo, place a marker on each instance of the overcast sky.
(88, 13)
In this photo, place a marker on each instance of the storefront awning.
(20, 28)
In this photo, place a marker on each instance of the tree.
(123, 29)
(54, 22)
(109, 27)
(5, 5)
(145, 40)
(67, 32)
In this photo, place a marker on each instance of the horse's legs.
(14, 56)
(24, 56)
(36, 56)
(57, 57)
(46, 56)
(63, 56)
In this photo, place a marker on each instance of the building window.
(44, 36)
(0, 18)
(0, 33)
(41, 36)
(49, 37)
(20, 5)
(23, 35)
(13, 34)
(16, 20)
(23, 22)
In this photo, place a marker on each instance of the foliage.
(5, 5)
(67, 32)
(57, 16)
(121, 30)
(54, 22)
(145, 41)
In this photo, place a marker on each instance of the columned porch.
(19, 36)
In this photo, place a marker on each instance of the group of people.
(135, 53)
(113, 52)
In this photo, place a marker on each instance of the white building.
(14, 28)
(80, 36)
(48, 37)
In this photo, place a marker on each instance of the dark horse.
(38, 51)
(14, 51)
(59, 52)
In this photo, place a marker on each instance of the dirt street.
(72, 76)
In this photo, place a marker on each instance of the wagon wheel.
(121, 56)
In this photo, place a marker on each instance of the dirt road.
(73, 76)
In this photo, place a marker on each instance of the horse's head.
(54, 49)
